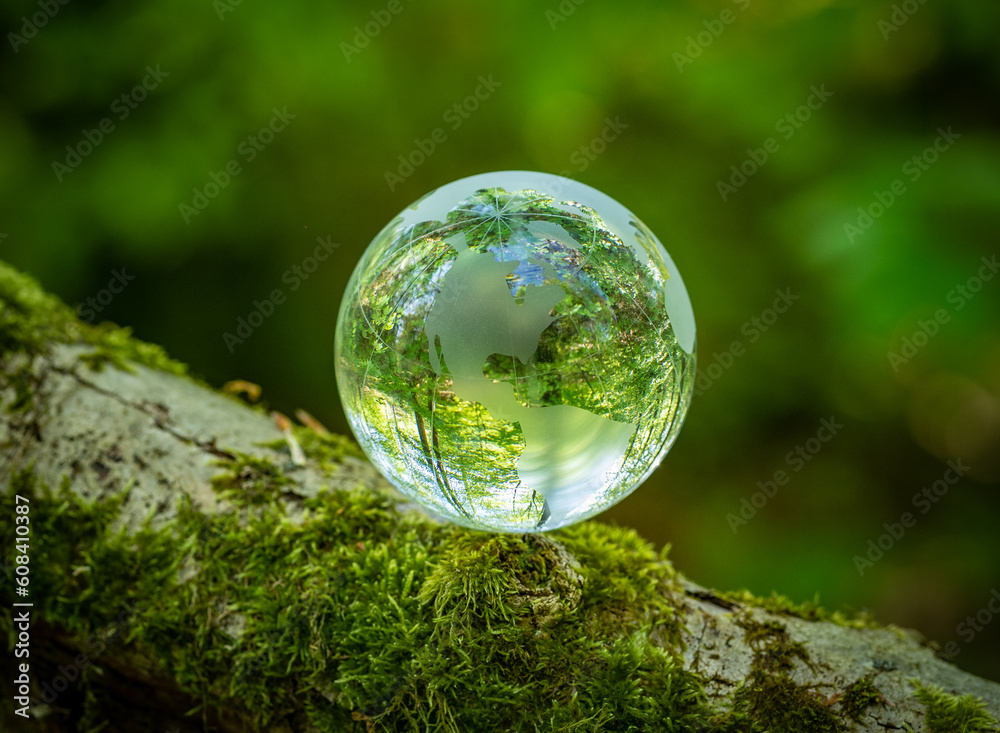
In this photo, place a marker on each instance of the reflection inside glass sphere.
(515, 351)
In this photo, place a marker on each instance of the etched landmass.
(567, 450)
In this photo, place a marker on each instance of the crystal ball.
(515, 351)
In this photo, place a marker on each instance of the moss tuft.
(807, 610)
(953, 713)
(627, 581)
(774, 651)
(115, 346)
(777, 703)
(858, 697)
(91, 585)
(502, 585)
(327, 449)
(769, 699)
(250, 480)
(31, 319)
(474, 583)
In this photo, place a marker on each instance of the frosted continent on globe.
(515, 351)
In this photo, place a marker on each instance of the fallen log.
(193, 566)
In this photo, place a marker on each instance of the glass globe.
(515, 351)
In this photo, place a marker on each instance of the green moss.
(361, 616)
(115, 346)
(807, 610)
(31, 319)
(774, 651)
(88, 581)
(250, 480)
(953, 713)
(24, 382)
(475, 582)
(627, 581)
(365, 616)
(777, 703)
(326, 449)
(769, 699)
(858, 697)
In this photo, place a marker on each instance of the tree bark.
(162, 441)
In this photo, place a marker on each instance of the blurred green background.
(691, 87)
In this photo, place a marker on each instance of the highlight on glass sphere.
(515, 351)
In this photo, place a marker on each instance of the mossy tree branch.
(183, 560)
